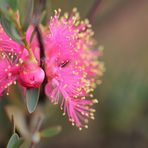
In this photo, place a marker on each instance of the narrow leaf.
(10, 29)
(5, 4)
(13, 140)
(50, 132)
(32, 97)
(12, 4)
(18, 143)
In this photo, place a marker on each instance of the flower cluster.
(71, 65)
(15, 63)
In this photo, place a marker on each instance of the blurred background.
(121, 26)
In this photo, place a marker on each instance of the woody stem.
(23, 35)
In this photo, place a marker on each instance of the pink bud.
(31, 75)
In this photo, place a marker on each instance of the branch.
(36, 129)
(42, 58)
(94, 9)
(41, 45)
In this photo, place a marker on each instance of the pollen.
(72, 83)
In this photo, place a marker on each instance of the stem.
(27, 46)
(13, 122)
(91, 14)
(31, 145)
(23, 35)
(36, 129)
(42, 57)
(41, 44)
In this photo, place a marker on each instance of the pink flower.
(71, 66)
(31, 75)
(12, 57)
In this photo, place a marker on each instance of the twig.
(41, 44)
(92, 13)
(13, 122)
(36, 129)
(42, 57)
(38, 8)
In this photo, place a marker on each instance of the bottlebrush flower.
(13, 57)
(72, 66)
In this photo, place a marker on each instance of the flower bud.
(31, 75)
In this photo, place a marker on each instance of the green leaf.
(32, 97)
(18, 143)
(15, 141)
(12, 4)
(5, 4)
(50, 132)
(10, 29)
(25, 8)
